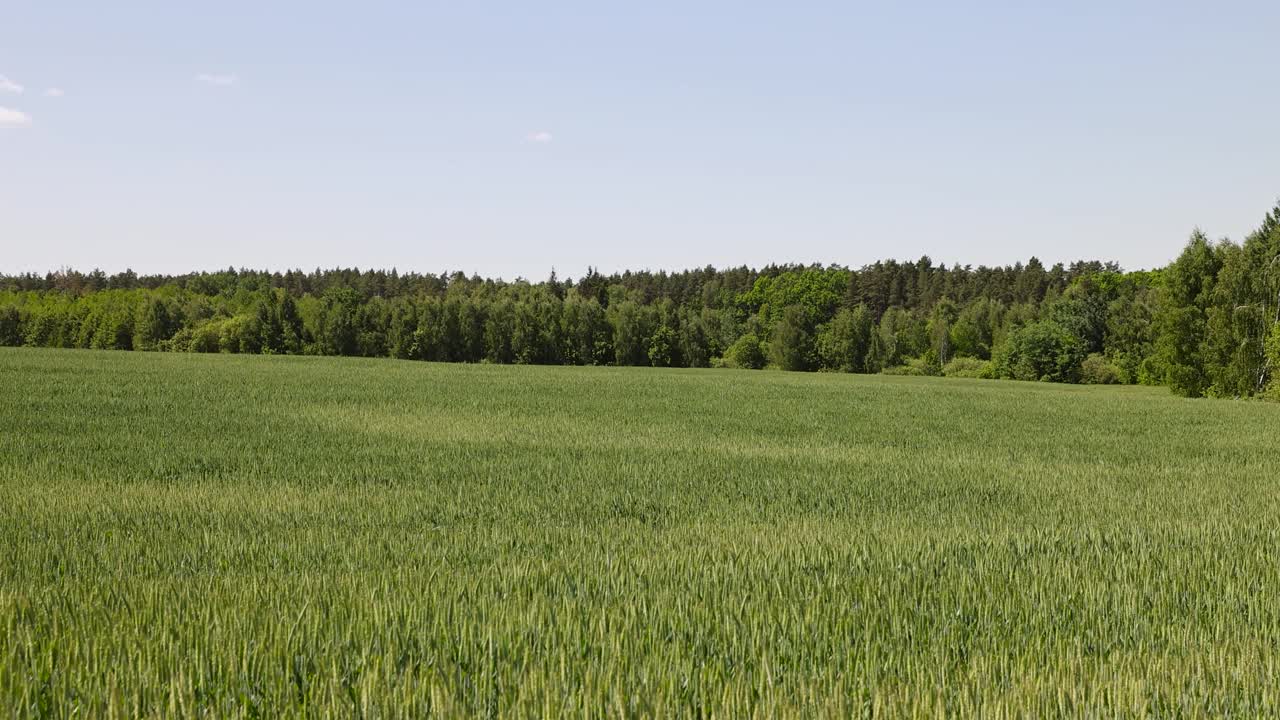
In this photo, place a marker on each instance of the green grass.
(266, 536)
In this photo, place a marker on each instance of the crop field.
(186, 535)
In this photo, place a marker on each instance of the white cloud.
(218, 80)
(9, 86)
(14, 119)
(540, 136)
(54, 92)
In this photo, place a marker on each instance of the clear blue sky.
(507, 138)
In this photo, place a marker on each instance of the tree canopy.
(1207, 324)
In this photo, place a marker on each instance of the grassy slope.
(259, 534)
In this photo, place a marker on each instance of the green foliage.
(204, 338)
(1244, 304)
(842, 344)
(498, 324)
(747, 353)
(942, 318)
(153, 325)
(816, 292)
(293, 336)
(1041, 351)
(1273, 362)
(695, 342)
(967, 367)
(1082, 311)
(900, 336)
(1199, 325)
(1097, 370)
(791, 342)
(338, 328)
(915, 367)
(1130, 337)
(1187, 290)
(10, 326)
(633, 326)
(586, 332)
(242, 334)
(662, 346)
(976, 328)
(532, 342)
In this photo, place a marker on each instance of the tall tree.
(1187, 290)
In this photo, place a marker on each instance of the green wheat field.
(227, 536)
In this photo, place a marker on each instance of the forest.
(1207, 324)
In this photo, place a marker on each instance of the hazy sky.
(510, 137)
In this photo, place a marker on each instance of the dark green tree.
(843, 344)
(1181, 322)
(1041, 351)
(791, 343)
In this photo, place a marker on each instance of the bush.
(180, 342)
(206, 338)
(1152, 371)
(967, 367)
(1041, 351)
(908, 370)
(746, 352)
(660, 346)
(240, 334)
(914, 367)
(1097, 370)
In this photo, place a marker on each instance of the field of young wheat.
(266, 536)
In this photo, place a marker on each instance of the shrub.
(1041, 351)
(205, 338)
(1152, 371)
(915, 367)
(240, 334)
(1272, 392)
(1097, 370)
(909, 370)
(660, 347)
(967, 367)
(180, 342)
(746, 352)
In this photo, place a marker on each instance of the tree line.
(1208, 324)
